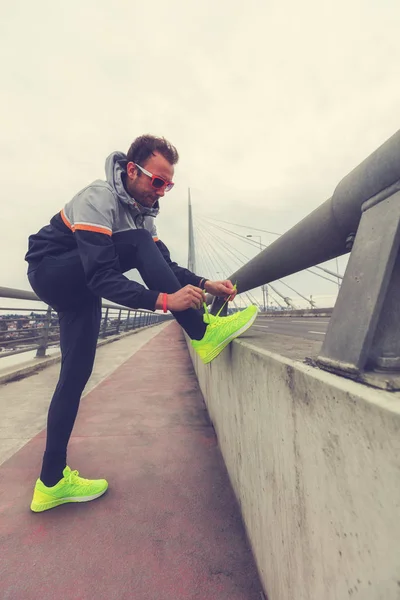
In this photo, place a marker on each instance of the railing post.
(105, 320)
(363, 337)
(127, 321)
(41, 351)
(118, 322)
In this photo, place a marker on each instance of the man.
(107, 229)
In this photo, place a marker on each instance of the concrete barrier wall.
(314, 462)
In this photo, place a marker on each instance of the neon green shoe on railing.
(71, 488)
(222, 330)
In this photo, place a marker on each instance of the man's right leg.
(141, 252)
(207, 341)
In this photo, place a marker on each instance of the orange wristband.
(164, 303)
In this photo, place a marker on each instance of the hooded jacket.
(100, 216)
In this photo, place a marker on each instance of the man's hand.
(222, 289)
(187, 297)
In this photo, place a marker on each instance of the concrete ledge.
(314, 461)
(38, 364)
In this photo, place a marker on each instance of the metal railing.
(24, 329)
(361, 217)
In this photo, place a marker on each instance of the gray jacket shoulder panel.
(97, 208)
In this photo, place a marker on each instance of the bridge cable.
(244, 238)
(228, 247)
(219, 240)
(210, 260)
(224, 266)
(228, 268)
(250, 296)
(280, 281)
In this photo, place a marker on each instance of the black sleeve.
(184, 276)
(103, 274)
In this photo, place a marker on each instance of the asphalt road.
(308, 328)
(298, 338)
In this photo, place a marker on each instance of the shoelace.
(211, 319)
(73, 476)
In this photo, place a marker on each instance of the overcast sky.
(270, 104)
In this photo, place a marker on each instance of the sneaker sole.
(35, 507)
(228, 340)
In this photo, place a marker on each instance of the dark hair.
(146, 145)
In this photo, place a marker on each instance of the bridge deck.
(168, 528)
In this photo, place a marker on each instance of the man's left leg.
(79, 328)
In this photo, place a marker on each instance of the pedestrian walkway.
(167, 529)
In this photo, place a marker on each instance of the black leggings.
(60, 282)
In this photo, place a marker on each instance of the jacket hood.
(115, 169)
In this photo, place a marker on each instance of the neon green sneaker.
(71, 488)
(222, 330)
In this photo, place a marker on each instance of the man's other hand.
(222, 289)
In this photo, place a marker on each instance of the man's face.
(139, 185)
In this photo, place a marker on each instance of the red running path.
(168, 528)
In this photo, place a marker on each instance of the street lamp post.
(264, 288)
(265, 291)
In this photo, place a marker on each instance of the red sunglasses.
(156, 181)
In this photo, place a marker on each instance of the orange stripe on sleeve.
(95, 228)
(65, 220)
(155, 239)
